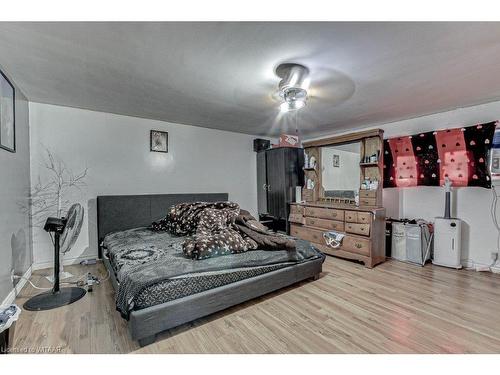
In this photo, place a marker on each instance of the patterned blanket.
(219, 228)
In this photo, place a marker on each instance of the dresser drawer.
(367, 201)
(308, 234)
(368, 193)
(364, 217)
(356, 245)
(363, 229)
(296, 218)
(325, 224)
(325, 213)
(296, 209)
(351, 216)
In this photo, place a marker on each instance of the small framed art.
(159, 141)
(336, 161)
(7, 115)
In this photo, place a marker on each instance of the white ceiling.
(221, 75)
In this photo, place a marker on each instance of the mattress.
(135, 253)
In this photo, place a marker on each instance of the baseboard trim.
(66, 262)
(472, 265)
(11, 297)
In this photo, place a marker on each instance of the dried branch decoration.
(48, 197)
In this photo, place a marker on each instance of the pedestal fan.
(66, 231)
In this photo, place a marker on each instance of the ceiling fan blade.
(331, 86)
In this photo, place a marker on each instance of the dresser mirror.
(345, 170)
(340, 173)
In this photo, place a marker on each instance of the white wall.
(471, 204)
(15, 236)
(115, 149)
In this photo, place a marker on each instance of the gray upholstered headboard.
(121, 212)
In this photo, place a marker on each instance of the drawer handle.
(312, 221)
(358, 245)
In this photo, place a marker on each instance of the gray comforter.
(143, 258)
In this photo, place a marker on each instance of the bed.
(157, 288)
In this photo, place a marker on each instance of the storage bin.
(417, 241)
(9, 315)
(388, 235)
(410, 242)
(398, 249)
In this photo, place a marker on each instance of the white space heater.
(447, 242)
(447, 236)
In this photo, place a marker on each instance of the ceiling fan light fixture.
(293, 104)
(292, 76)
(292, 87)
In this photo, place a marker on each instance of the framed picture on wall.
(159, 141)
(7, 115)
(336, 161)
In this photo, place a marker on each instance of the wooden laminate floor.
(393, 308)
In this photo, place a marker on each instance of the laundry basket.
(398, 250)
(418, 239)
(411, 242)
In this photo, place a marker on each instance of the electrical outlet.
(12, 276)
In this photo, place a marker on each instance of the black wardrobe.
(279, 171)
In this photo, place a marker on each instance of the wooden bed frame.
(121, 212)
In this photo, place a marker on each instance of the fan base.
(50, 300)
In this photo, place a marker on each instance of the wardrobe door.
(294, 172)
(276, 194)
(261, 183)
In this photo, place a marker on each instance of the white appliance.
(298, 194)
(447, 242)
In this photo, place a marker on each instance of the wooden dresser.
(364, 229)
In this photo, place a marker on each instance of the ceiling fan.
(320, 87)
(293, 86)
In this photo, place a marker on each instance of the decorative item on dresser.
(341, 210)
(279, 171)
(363, 230)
